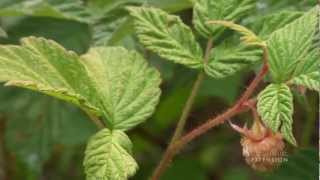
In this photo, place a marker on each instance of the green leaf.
(229, 10)
(45, 66)
(267, 24)
(226, 60)
(307, 73)
(72, 10)
(167, 36)
(105, 29)
(108, 156)
(127, 86)
(75, 36)
(275, 106)
(110, 82)
(289, 46)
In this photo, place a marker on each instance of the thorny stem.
(238, 108)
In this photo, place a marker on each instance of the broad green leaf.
(128, 87)
(247, 36)
(229, 10)
(289, 46)
(108, 156)
(267, 24)
(110, 82)
(275, 106)
(167, 36)
(226, 60)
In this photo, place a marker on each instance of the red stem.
(238, 108)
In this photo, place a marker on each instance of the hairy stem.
(194, 91)
(238, 108)
(188, 106)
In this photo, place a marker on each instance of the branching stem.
(236, 109)
(194, 91)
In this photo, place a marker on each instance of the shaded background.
(43, 138)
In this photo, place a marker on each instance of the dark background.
(43, 138)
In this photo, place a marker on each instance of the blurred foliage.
(44, 138)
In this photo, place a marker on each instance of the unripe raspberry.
(262, 149)
(265, 153)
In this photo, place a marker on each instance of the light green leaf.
(128, 87)
(45, 66)
(275, 106)
(110, 82)
(167, 36)
(289, 46)
(226, 60)
(108, 156)
(229, 10)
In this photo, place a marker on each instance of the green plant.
(119, 90)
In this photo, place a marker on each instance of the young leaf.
(248, 37)
(109, 82)
(108, 156)
(128, 87)
(167, 36)
(289, 46)
(229, 10)
(275, 106)
(225, 60)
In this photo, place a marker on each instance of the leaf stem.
(95, 119)
(238, 108)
